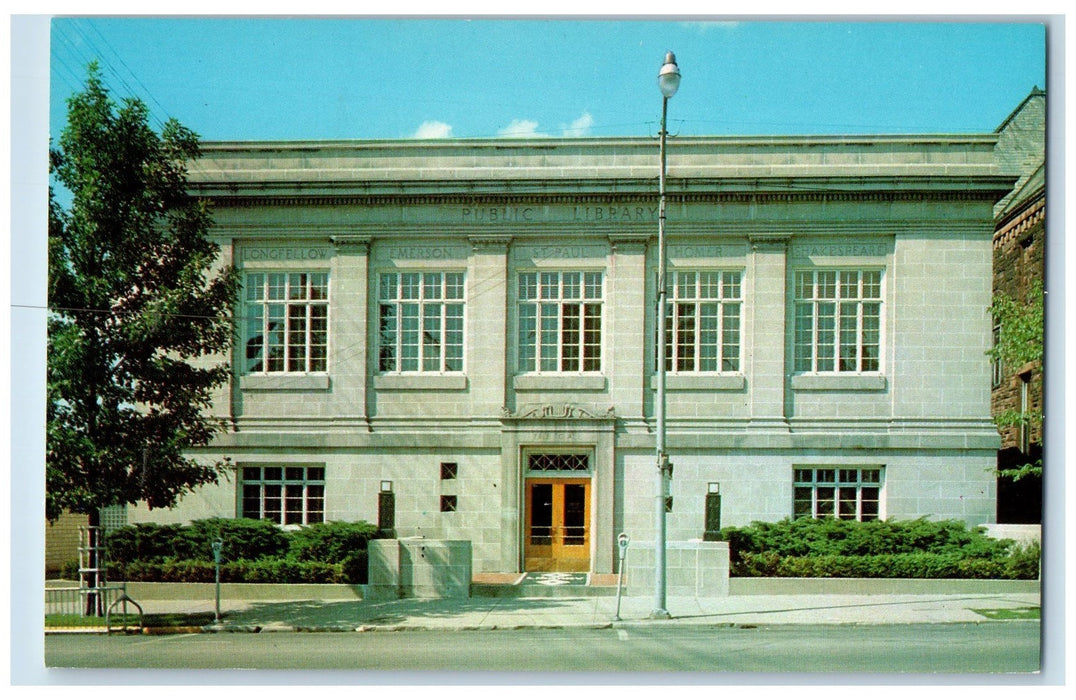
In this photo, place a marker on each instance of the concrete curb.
(612, 624)
(738, 586)
(136, 631)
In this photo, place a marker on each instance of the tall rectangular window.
(997, 369)
(702, 324)
(838, 320)
(287, 326)
(836, 492)
(560, 321)
(420, 322)
(286, 495)
(1025, 407)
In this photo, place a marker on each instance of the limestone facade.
(470, 327)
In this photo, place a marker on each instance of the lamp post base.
(660, 614)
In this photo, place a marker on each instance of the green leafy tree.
(138, 319)
(1020, 343)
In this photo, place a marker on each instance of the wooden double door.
(556, 533)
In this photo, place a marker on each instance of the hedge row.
(260, 552)
(253, 551)
(241, 571)
(1020, 564)
(829, 536)
(830, 548)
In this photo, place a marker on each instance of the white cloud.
(703, 27)
(528, 128)
(521, 129)
(579, 127)
(433, 130)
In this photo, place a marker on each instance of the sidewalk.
(595, 612)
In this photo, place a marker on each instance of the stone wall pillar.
(766, 335)
(348, 325)
(626, 312)
(487, 324)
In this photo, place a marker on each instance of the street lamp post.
(668, 82)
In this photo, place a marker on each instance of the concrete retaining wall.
(691, 569)
(1022, 534)
(419, 568)
(877, 586)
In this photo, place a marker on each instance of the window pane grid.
(837, 321)
(702, 324)
(286, 322)
(846, 494)
(288, 496)
(555, 462)
(560, 321)
(420, 322)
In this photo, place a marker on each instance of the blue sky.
(257, 79)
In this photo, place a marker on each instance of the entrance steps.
(543, 585)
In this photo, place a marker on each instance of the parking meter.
(621, 542)
(218, 544)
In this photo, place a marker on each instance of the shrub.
(1024, 562)
(184, 571)
(241, 538)
(356, 567)
(904, 565)
(806, 536)
(277, 570)
(146, 542)
(69, 570)
(332, 541)
(895, 549)
(254, 551)
(288, 571)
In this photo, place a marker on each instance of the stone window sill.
(837, 382)
(420, 382)
(284, 382)
(558, 382)
(702, 382)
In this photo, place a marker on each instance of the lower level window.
(284, 495)
(830, 492)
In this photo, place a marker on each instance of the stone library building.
(457, 339)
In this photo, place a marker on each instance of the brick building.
(1019, 249)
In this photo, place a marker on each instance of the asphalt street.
(1010, 647)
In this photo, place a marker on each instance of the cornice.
(239, 199)
(1021, 222)
(757, 230)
